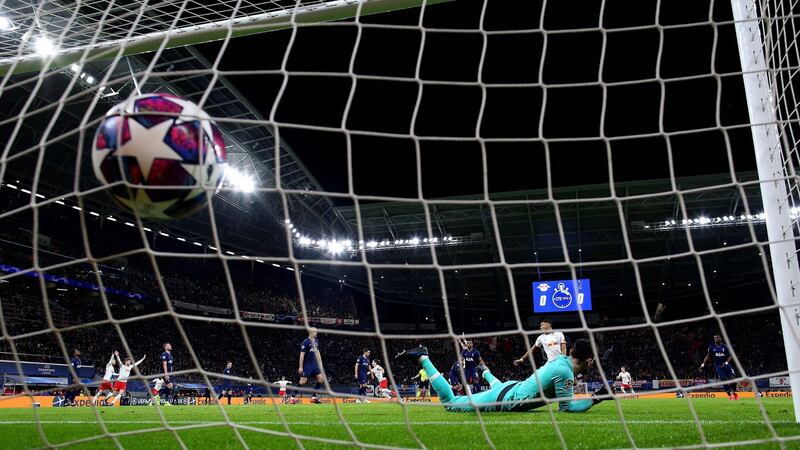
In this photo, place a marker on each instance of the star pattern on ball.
(154, 136)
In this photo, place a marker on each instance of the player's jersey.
(310, 348)
(109, 369)
(75, 363)
(423, 376)
(283, 383)
(227, 371)
(625, 377)
(455, 373)
(471, 359)
(719, 353)
(363, 365)
(551, 344)
(125, 371)
(159, 383)
(378, 372)
(167, 356)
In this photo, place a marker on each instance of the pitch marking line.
(391, 423)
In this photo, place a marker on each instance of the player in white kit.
(625, 380)
(553, 343)
(124, 372)
(106, 387)
(282, 383)
(383, 383)
(158, 384)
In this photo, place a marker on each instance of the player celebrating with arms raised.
(362, 374)
(310, 364)
(106, 387)
(722, 362)
(553, 343)
(555, 380)
(124, 372)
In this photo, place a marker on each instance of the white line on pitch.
(392, 423)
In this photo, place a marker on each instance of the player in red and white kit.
(106, 387)
(158, 384)
(625, 380)
(282, 383)
(124, 372)
(383, 383)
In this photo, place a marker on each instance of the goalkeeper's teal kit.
(556, 378)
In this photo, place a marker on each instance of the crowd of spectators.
(275, 350)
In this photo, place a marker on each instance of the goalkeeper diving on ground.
(556, 379)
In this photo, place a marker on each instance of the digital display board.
(562, 296)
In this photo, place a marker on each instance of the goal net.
(405, 173)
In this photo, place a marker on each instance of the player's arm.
(300, 364)
(355, 371)
(563, 346)
(139, 361)
(705, 360)
(564, 383)
(527, 354)
(111, 360)
(119, 361)
(166, 373)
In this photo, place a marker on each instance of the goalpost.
(55, 39)
(765, 49)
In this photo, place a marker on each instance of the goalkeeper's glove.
(603, 391)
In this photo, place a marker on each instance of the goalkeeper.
(556, 379)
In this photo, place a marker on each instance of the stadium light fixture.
(44, 46)
(240, 181)
(6, 24)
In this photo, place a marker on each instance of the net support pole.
(770, 162)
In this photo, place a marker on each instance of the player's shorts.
(454, 379)
(363, 378)
(153, 391)
(120, 385)
(282, 393)
(311, 372)
(424, 384)
(725, 372)
(384, 384)
(227, 386)
(472, 376)
(106, 386)
(626, 386)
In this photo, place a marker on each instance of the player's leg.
(302, 382)
(318, 381)
(96, 396)
(733, 384)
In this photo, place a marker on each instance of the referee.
(424, 383)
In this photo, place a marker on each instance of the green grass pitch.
(652, 423)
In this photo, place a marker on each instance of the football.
(161, 156)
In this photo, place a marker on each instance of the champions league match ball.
(159, 140)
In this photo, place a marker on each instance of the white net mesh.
(404, 178)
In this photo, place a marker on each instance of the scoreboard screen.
(562, 296)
